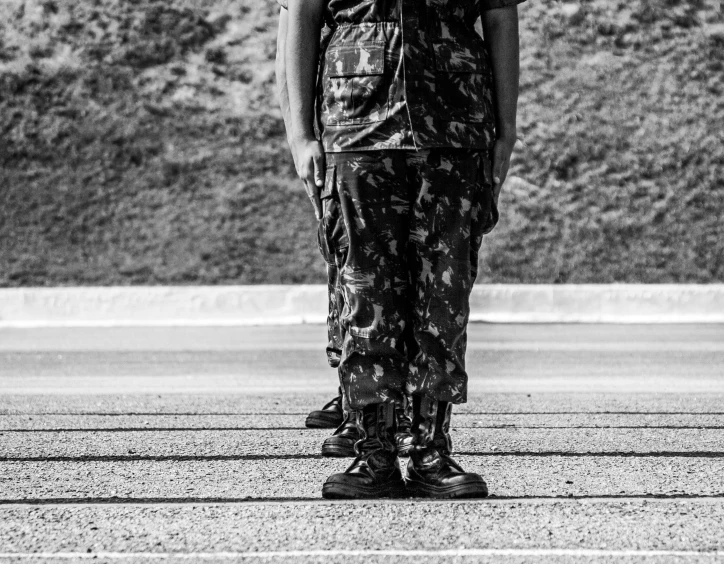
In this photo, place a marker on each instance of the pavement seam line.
(7, 504)
(270, 457)
(352, 553)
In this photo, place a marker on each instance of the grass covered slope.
(140, 143)
(622, 111)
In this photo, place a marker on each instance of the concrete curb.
(285, 305)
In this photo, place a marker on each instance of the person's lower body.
(411, 225)
(335, 414)
(332, 414)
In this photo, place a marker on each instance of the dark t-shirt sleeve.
(493, 4)
(282, 3)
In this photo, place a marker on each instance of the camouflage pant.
(335, 334)
(401, 233)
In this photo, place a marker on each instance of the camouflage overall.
(400, 233)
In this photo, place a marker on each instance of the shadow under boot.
(431, 472)
(330, 416)
(375, 471)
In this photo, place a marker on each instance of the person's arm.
(500, 27)
(302, 54)
(281, 75)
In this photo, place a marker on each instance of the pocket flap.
(355, 60)
(451, 57)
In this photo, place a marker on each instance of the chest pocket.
(463, 83)
(355, 85)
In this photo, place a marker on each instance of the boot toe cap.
(323, 420)
(345, 485)
(337, 446)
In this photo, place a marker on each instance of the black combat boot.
(403, 434)
(375, 472)
(431, 472)
(329, 417)
(341, 443)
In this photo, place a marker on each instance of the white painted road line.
(290, 554)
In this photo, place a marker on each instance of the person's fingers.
(501, 163)
(312, 188)
(313, 195)
(498, 162)
(503, 172)
(309, 161)
(496, 192)
(319, 169)
(307, 171)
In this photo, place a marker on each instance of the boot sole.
(342, 491)
(321, 422)
(477, 490)
(334, 451)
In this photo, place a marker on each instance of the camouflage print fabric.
(410, 74)
(335, 334)
(403, 230)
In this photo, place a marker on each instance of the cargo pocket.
(463, 84)
(355, 86)
(374, 302)
(444, 297)
(331, 234)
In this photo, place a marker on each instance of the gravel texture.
(613, 524)
(224, 422)
(284, 479)
(305, 442)
(626, 474)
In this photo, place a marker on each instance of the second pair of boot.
(341, 443)
(431, 472)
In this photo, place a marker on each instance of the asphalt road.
(599, 443)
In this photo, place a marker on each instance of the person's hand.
(309, 162)
(501, 162)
